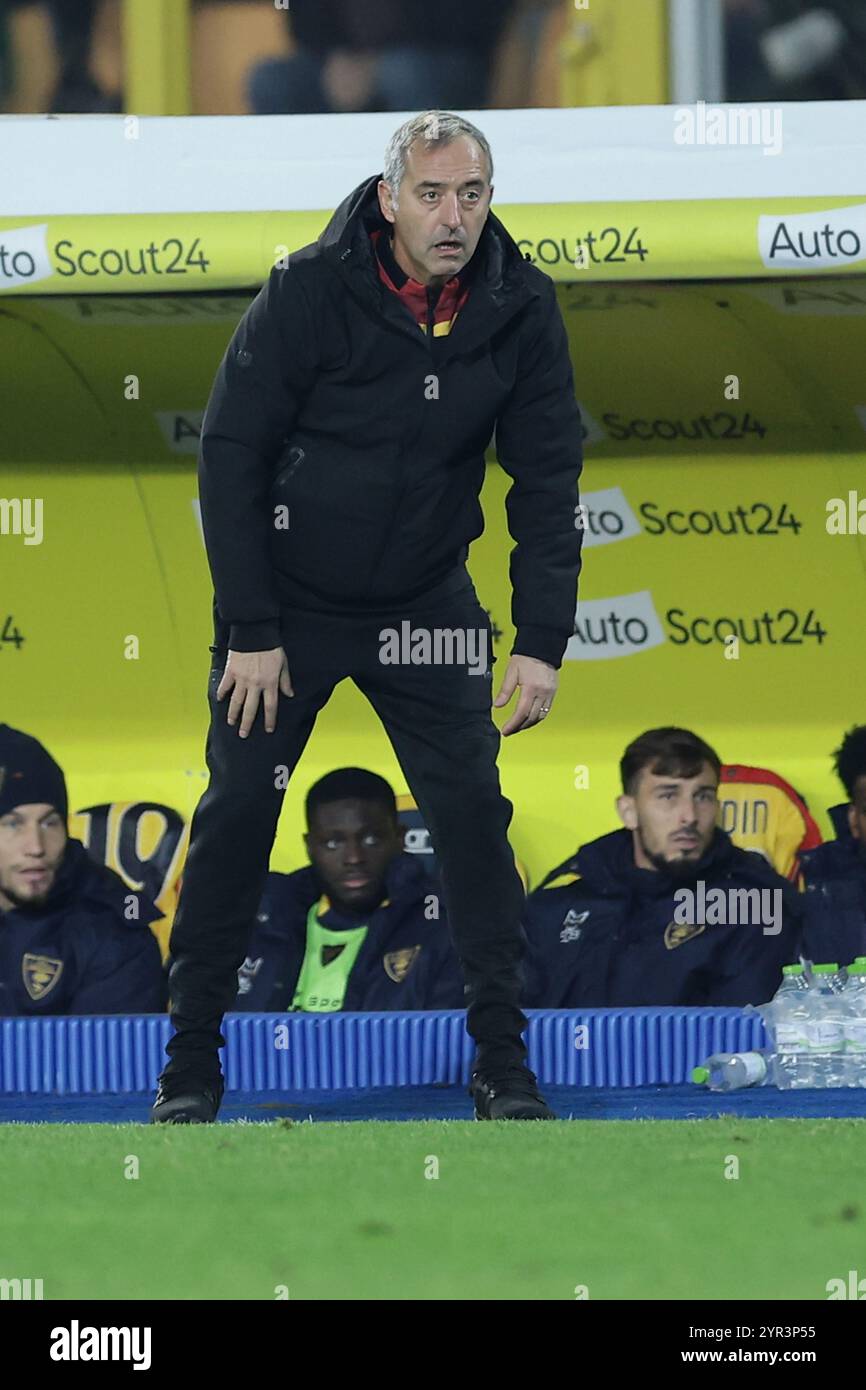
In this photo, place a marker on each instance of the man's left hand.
(538, 682)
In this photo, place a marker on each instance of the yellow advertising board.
(179, 253)
(724, 499)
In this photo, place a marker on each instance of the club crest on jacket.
(398, 963)
(40, 974)
(678, 932)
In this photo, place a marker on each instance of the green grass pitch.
(624, 1209)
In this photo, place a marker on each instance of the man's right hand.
(250, 675)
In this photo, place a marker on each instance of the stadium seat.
(145, 843)
(418, 837)
(762, 812)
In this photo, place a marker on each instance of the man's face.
(672, 819)
(857, 813)
(32, 841)
(444, 197)
(351, 844)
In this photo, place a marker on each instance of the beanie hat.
(28, 774)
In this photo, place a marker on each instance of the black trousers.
(438, 718)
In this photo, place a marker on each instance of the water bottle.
(787, 1019)
(730, 1071)
(825, 1026)
(854, 1024)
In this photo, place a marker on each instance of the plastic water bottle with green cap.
(787, 1022)
(826, 1025)
(854, 1023)
(731, 1071)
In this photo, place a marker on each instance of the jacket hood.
(406, 882)
(607, 864)
(345, 244)
(835, 858)
(839, 817)
(81, 882)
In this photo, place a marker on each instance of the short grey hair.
(434, 128)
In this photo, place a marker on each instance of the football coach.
(341, 462)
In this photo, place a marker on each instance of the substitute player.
(341, 462)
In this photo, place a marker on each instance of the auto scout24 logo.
(624, 624)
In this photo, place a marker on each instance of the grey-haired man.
(342, 457)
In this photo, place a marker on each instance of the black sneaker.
(187, 1100)
(508, 1093)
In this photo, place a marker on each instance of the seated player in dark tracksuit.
(69, 943)
(835, 873)
(362, 927)
(667, 910)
